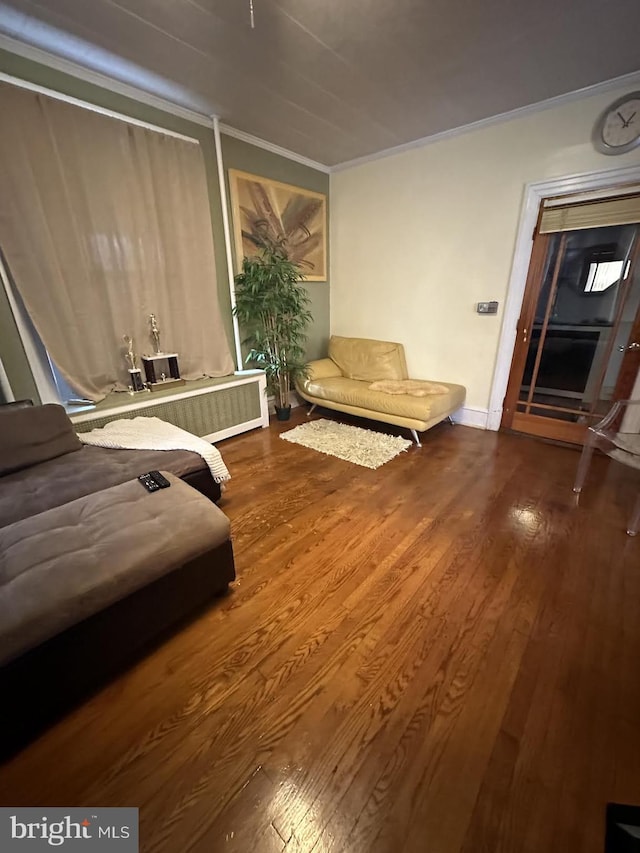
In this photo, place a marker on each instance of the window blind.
(590, 214)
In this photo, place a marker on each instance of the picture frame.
(267, 211)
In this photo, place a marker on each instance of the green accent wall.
(241, 155)
(237, 154)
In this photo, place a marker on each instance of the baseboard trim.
(472, 417)
(236, 429)
(467, 416)
(293, 399)
(494, 420)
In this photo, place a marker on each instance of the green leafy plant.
(272, 308)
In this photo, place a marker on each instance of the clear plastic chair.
(617, 435)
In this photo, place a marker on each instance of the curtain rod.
(87, 105)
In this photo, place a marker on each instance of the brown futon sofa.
(93, 568)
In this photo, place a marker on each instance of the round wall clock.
(618, 128)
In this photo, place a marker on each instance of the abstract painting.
(267, 212)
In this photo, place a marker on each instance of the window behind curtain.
(103, 223)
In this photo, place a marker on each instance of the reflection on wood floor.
(437, 656)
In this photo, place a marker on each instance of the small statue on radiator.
(155, 334)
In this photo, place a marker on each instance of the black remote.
(160, 480)
(148, 482)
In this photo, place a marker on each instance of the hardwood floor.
(439, 656)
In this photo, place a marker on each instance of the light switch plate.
(487, 308)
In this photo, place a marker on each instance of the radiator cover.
(214, 412)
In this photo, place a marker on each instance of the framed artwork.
(267, 211)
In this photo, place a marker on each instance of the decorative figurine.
(155, 334)
(130, 356)
(135, 374)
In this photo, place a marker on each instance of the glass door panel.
(588, 299)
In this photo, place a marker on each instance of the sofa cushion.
(66, 478)
(35, 434)
(62, 566)
(368, 360)
(414, 387)
(350, 392)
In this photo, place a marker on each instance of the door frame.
(534, 193)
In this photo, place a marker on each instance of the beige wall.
(419, 237)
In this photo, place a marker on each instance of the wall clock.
(617, 130)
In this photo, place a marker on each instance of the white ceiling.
(334, 80)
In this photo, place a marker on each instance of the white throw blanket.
(154, 434)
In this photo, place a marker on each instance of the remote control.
(148, 482)
(160, 480)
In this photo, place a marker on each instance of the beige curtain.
(103, 223)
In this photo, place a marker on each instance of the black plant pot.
(283, 413)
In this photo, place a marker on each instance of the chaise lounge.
(369, 378)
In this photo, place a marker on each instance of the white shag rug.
(353, 444)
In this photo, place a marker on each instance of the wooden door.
(578, 336)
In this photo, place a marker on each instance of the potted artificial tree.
(272, 308)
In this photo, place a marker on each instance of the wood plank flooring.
(439, 656)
